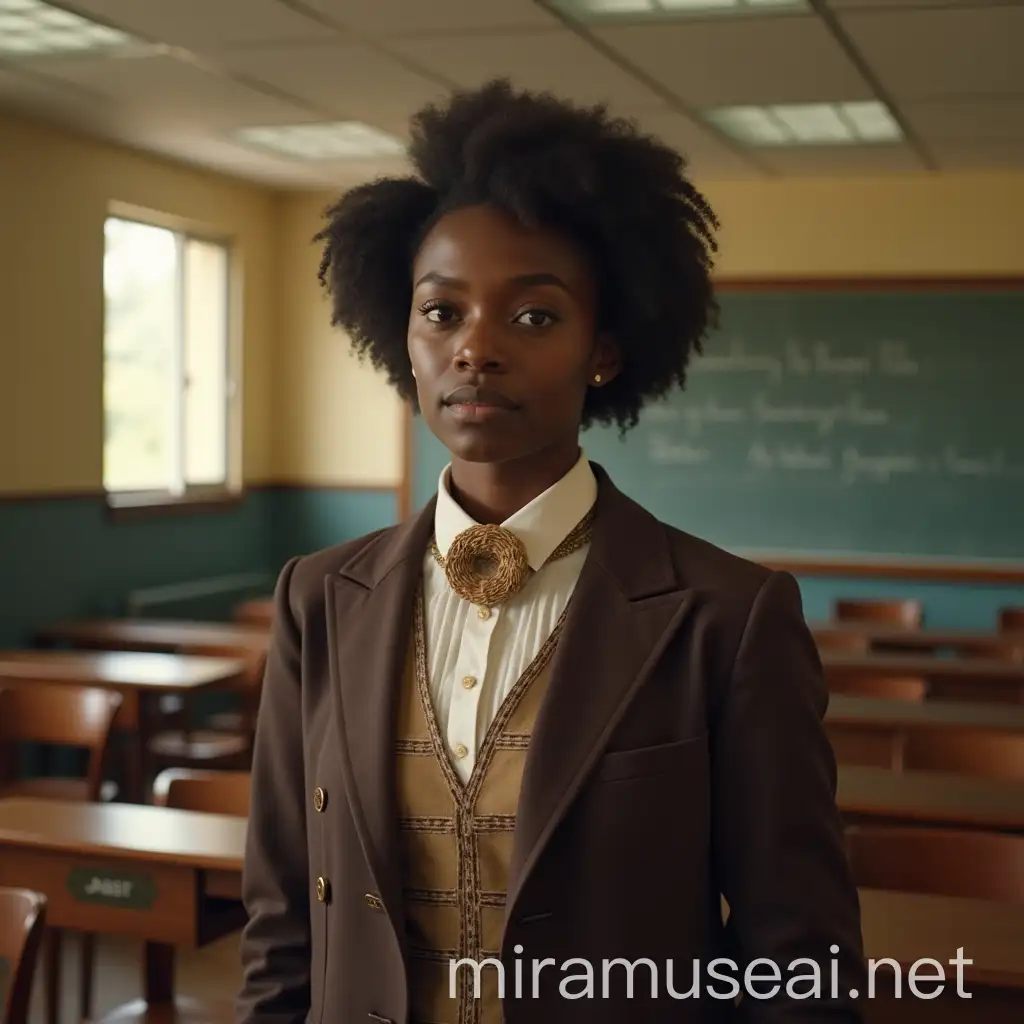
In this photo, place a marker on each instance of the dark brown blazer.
(680, 755)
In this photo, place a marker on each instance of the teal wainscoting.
(63, 557)
(306, 519)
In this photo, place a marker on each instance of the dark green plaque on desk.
(112, 887)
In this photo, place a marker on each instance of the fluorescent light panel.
(343, 140)
(29, 28)
(597, 10)
(803, 124)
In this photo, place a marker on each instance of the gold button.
(373, 901)
(461, 750)
(483, 613)
(469, 682)
(319, 799)
(323, 890)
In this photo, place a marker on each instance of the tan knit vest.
(457, 840)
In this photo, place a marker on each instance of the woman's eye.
(438, 314)
(535, 318)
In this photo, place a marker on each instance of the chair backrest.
(195, 789)
(888, 687)
(61, 715)
(994, 649)
(961, 752)
(22, 922)
(1011, 620)
(842, 640)
(909, 614)
(938, 862)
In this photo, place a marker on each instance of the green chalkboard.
(836, 422)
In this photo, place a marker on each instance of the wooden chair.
(908, 614)
(840, 640)
(214, 792)
(938, 862)
(961, 752)
(1011, 620)
(887, 687)
(22, 922)
(79, 717)
(223, 741)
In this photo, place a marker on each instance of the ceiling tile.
(171, 91)
(706, 155)
(952, 52)
(740, 61)
(207, 25)
(988, 119)
(558, 61)
(895, 5)
(436, 17)
(841, 160)
(345, 79)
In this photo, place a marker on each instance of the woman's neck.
(490, 492)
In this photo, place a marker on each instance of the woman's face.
(503, 336)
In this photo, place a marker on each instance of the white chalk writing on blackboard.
(825, 418)
(788, 456)
(884, 467)
(803, 359)
(665, 450)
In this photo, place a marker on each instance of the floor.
(210, 973)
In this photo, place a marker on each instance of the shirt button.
(469, 682)
(461, 750)
(483, 613)
(319, 799)
(323, 890)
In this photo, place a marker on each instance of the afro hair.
(621, 195)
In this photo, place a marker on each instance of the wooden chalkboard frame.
(936, 570)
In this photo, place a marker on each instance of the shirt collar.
(541, 525)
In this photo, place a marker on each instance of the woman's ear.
(605, 362)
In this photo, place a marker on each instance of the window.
(168, 386)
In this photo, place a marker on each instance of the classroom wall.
(60, 552)
(898, 226)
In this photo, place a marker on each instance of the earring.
(597, 378)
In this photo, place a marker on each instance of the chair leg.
(88, 974)
(52, 975)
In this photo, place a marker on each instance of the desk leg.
(52, 975)
(158, 973)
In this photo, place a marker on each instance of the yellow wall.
(54, 191)
(340, 423)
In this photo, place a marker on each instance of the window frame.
(193, 497)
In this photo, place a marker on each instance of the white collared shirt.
(474, 656)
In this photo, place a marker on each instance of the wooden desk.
(908, 927)
(989, 678)
(257, 612)
(152, 873)
(136, 676)
(904, 639)
(172, 877)
(166, 635)
(927, 798)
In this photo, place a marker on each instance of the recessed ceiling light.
(599, 10)
(802, 124)
(343, 140)
(30, 28)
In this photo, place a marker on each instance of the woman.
(514, 753)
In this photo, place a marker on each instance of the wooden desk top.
(931, 798)
(191, 839)
(923, 639)
(121, 670)
(953, 668)
(880, 712)
(155, 634)
(259, 611)
(907, 926)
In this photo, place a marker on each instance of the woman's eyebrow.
(433, 277)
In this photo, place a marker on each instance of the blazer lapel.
(628, 590)
(369, 616)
